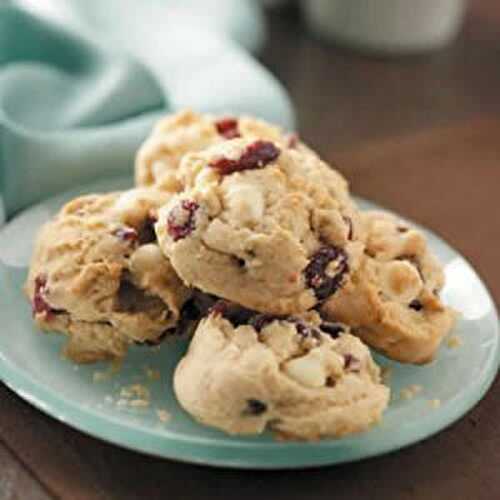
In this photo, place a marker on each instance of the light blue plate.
(31, 365)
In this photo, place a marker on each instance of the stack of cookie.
(241, 235)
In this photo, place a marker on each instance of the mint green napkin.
(82, 81)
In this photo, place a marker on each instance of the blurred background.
(345, 93)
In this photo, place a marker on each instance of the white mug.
(386, 26)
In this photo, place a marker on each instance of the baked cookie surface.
(185, 132)
(271, 228)
(98, 275)
(306, 379)
(392, 300)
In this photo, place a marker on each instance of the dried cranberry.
(352, 363)
(256, 155)
(40, 305)
(317, 275)
(181, 220)
(416, 305)
(128, 234)
(255, 407)
(219, 308)
(304, 330)
(228, 128)
(235, 314)
(334, 330)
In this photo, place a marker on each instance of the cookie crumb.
(410, 392)
(434, 403)
(163, 416)
(134, 396)
(113, 368)
(454, 341)
(135, 390)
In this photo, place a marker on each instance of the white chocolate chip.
(307, 370)
(245, 202)
(400, 281)
(147, 258)
(332, 361)
(133, 205)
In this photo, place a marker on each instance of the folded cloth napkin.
(82, 81)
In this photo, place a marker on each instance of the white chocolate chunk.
(133, 205)
(147, 258)
(245, 202)
(400, 281)
(307, 370)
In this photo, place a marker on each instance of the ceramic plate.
(91, 398)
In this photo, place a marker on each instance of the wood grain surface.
(420, 135)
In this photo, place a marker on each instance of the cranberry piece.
(304, 330)
(40, 305)
(352, 363)
(332, 329)
(128, 234)
(416, 305)
(235, 314)
(260, 321)
(255, 407)
(316, 272)
(256, 155)
(219, 308)
(181, 220)
(228, 128)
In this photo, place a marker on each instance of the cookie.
(98, 275)
(271, 228)
(176, 135)
(245, 373)
(392, 300)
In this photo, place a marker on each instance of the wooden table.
(418, 134)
